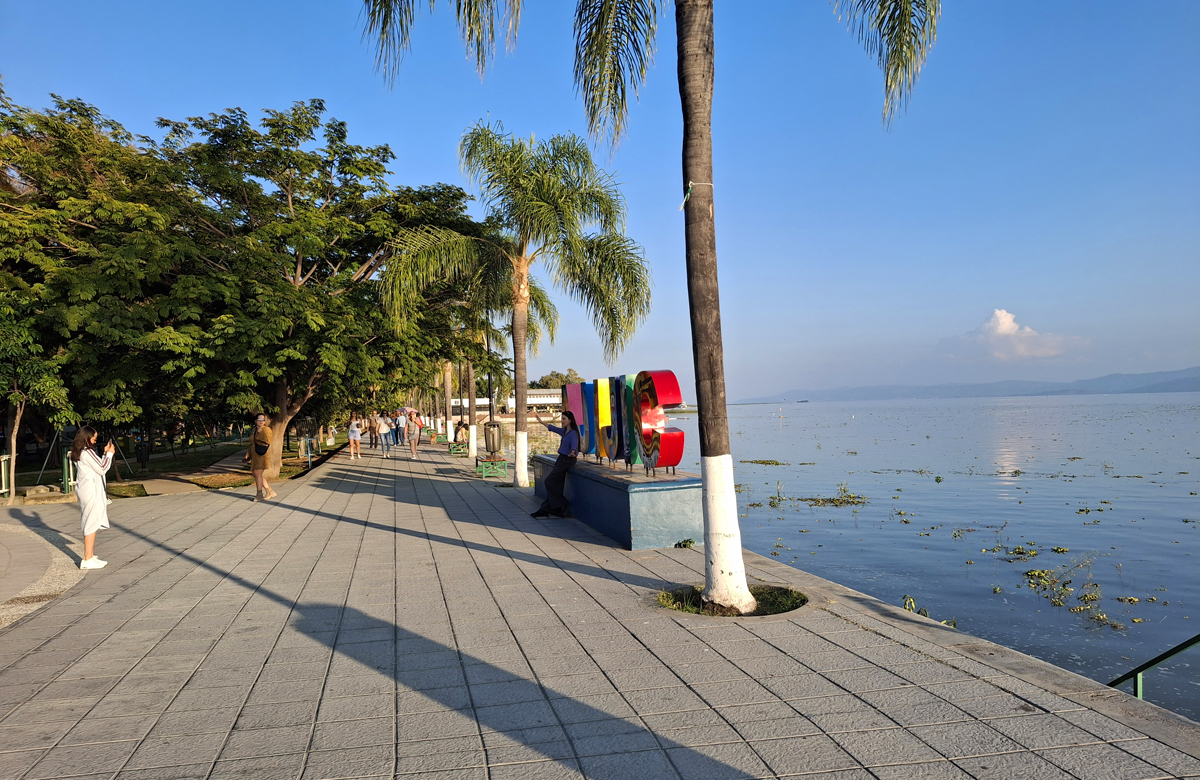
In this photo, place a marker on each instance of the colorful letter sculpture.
(604, 447)
(587, 433)
(575, 407)
(654, 392)
(624, 417)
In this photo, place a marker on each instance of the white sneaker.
(93, 563)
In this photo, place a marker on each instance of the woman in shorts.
(354, 433)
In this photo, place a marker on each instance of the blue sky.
(1035, 214)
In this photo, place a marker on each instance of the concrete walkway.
(388, 617)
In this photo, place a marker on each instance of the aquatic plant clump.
(843, 498)
(772, 600)
(768, 462)
(1055, 585)
(910, 604)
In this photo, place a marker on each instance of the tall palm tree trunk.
(520, 332)
(472, 446)
(447, 393)
(725, 573)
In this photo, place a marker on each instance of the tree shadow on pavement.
(445, 692)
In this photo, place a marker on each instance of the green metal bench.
(441, 438)
(491, 468)
(458, 449)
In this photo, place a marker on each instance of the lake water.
(1112, 480)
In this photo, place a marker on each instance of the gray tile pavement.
(388, 618)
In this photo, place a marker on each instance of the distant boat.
(803, 402)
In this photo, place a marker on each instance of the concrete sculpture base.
(637, 510)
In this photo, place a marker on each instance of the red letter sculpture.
(653, 392)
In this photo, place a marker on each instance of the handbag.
(261, 449)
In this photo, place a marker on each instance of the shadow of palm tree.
(364, 483)
(444, 691)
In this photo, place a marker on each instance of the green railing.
(1136, 673)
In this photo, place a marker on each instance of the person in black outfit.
(568, 449)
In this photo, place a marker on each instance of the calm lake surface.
(1111, 481)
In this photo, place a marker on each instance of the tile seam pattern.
(513, 559)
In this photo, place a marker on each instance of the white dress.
(89, 486)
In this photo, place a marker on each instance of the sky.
(1033, 214)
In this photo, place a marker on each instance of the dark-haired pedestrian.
(568, 450)
(90, 487)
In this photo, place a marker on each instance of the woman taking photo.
(260, 445)
(354, 436)
(568, 450)
(90, 469)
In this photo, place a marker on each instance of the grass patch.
(231, 479)
(290, 467)
(766, 462)
(127, 490)
(772, 600)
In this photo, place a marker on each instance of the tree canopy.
(229, 267)
(555, 380)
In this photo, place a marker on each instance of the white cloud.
(1002, 339)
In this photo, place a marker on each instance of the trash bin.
(143, 453)
(492, 440)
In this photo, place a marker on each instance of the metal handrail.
(1135, 674)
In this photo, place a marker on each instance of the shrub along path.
(390, 617)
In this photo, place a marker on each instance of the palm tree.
(469, 296)
(614, 45)
(544, 196)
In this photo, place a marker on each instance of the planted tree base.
(772, 600)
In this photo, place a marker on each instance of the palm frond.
(611, 279)
(614, 46)
(389, 23)
(543, 315)
(427, 256)
(899, 34)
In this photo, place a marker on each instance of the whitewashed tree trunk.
(521, 466)
(472, 447)
(724, 571)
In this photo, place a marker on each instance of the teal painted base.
(635, 509)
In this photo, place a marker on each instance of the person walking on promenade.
(399, 423)
(568, 449)
(372, 429)
(256, 453)
(90, 469)
(385, 434)
(354, 436)
(412, 432)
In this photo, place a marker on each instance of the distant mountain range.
(1184, 381)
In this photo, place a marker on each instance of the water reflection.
(1108, 478)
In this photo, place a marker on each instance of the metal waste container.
(492, 440)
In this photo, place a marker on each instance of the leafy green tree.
(300, 219)
(555, 380)
(614, 45)
(544, 196)
(28, 376)
(91, 253)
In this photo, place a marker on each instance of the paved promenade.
(391, 618)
